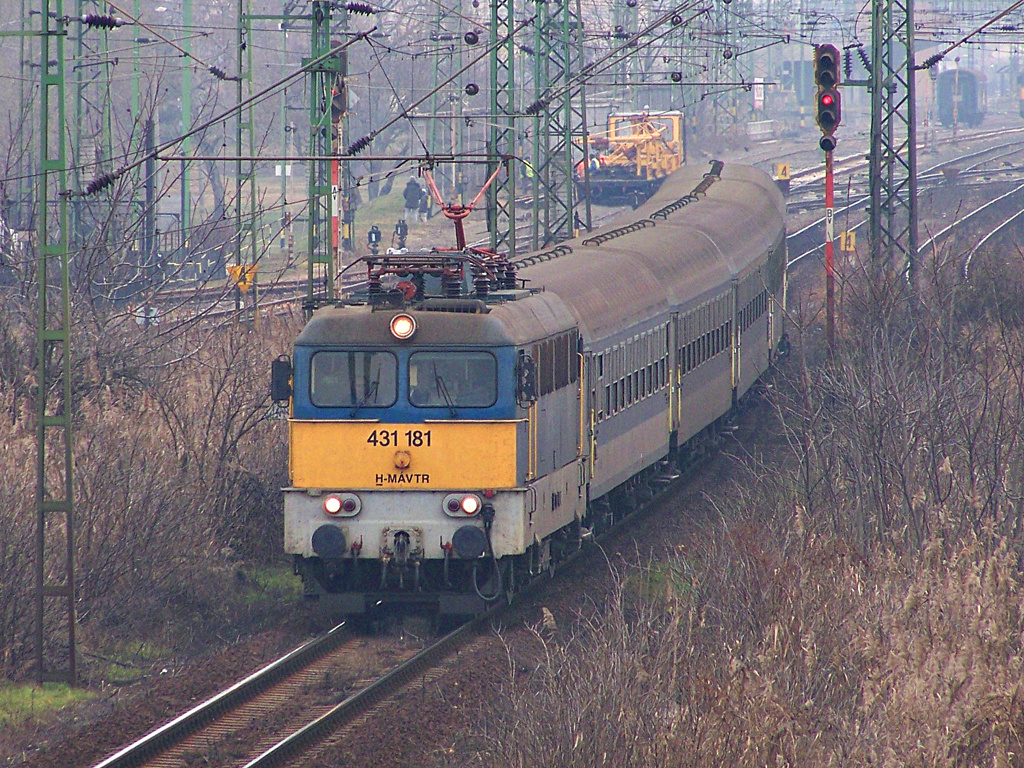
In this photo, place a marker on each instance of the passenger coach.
(459, 428)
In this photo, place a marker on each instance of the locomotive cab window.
(453, 379)
(347, 379)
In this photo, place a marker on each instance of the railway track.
(262, 721)
(209, 721)
(809, 240)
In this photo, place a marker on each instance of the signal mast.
(828, 114)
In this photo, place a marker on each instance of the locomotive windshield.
(453, 379)
(354, 379)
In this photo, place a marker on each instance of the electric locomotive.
(469, 420)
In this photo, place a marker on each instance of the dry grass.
(860, 605)
(177, 471)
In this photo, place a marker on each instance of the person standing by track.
(412, 194)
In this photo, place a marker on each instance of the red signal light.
(827, 99)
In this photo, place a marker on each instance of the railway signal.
(828, 112)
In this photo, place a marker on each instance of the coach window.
(453, 379)
(353, 379)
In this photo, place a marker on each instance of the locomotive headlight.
(470, 505)
(461, 504)
(403, 327)
(342, 505)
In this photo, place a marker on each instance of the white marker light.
(403, 327)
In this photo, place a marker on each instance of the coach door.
(674, 378)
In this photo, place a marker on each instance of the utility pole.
(560, 131)
(55, 541)
(501, 195)
(245, 170)
(624, 26)
(893, 151)
(17, 212)
(345, 198)
(445, 101)
(284, 168)
(185, 220)
(320, 269)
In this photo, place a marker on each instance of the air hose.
(487, 515)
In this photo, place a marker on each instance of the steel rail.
(363, 700)
(932, 174)
(188, 723)
(988, 236)
(850, 162)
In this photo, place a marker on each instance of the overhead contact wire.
(365, 141)
(628, 48)
(398, 99)
(215, 71)
(936, 58)
(107, 179)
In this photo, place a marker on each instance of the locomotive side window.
(453, 379)
(348, 379)
(557, 364)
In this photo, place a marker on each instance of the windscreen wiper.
(370, 392)
(442, 390)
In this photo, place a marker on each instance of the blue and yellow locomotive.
(459, 428)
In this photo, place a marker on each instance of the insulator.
(931, 61)
(102, 21)
(508, 281)
(536, 107)
(101, 182)
(864, 58)
(358, 145)
(219, 73)
(527, 50)
(451, 284)
(481, 282)
(847, 65)
(363, 8)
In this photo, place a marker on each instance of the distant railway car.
(971, 102)
(630, 161)
(1020, 93)
(467, 422)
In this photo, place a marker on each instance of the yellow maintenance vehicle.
(629, 161)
